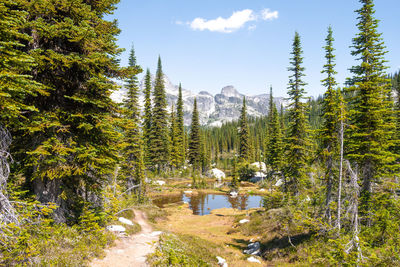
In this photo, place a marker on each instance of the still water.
(203, 204)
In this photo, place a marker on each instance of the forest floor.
(219, 228)
(132, 250)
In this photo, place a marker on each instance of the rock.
(156, 233)
(222, 262)
(116, 228)
(252, 259)
(233, 194)
(279, 183)
(125, 221)
(188, 192)
(244, 221)
(159, 182)
(262, 189)
(260, 166)
(258, 176)
(217, 173)
(253, 249)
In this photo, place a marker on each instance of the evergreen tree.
(147, 118)
(180, 134)
(329, 133)
(159, 148)
(133, 141)
(275, 144)
(371, 134)
(67, 150)
(14, 63)
(195, 139)
(297, 140)
(174, 155)
(244, 135)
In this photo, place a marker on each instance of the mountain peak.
(230, 91)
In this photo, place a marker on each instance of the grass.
(183, 250)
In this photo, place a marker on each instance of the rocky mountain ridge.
(214, 110)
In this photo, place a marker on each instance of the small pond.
(203, 204)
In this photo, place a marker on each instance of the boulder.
(160, 182)
(233, 194)
(279, 183)
(244, 221)
(125, 221)
(217, 173)
(253, 249)
(258, 176)
(253, 259)
(260, 166)
(222, 262)
(116, 228)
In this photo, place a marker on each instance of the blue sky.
(204, 53)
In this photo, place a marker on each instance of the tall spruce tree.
(275, 145)
(174, 153)
(133, 137)
(15, 86)
(329, 133)
(195, 144)
(244, 135)
(180, 134)
(147, 118)
(67, 151)
(159, 148)
(297, 140)
(371, 133)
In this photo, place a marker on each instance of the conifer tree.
(174, 154)
(370, 134)
(297, 140)
(14, 88)
(195, 139)
(244, 135)
(159, 148)
(133, 142)
(67, 151)
(331, 120)
(147, 118)
(275, 145)
(180, 134)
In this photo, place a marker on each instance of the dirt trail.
(131, 251)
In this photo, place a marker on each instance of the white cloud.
(252, 27)
(234, 22)
(267, 14)
(178, 22)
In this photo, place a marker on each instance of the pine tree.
(371, 134)
(14, 88)
(14, 63)
(147, 118)
(67, 151)
(329, 133)
(159, 148)
(244, 135)
(297, 140)
(133, 141)
(174, 155)
(195, 139)
(180, 134)
(275, 144)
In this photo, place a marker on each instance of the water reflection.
(203, 204)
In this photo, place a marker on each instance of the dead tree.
(352, 212)
(7, 212)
